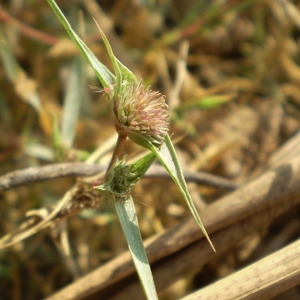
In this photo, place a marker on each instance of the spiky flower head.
(120, 179)
(140, 113)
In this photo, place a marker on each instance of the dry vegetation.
(231, 74)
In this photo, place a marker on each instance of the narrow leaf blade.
(128, 219)
(121, 71)
(168, 158)
(72, 102)
(104, 75)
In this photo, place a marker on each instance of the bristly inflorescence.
(124, 176)
(140, 113)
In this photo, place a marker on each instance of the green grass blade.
(104, 75)
(117, 189)
(18, 76)
(9, 64)
(129, 222)
(72, 102)
(208, 102)
(122, 73)
(111, 55)
(168, 158)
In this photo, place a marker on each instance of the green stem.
(119, 146)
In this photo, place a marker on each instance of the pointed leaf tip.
(168, 158)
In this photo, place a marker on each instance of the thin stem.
(119, 146)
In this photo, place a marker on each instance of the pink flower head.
(140, 114)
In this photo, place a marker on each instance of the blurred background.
(230, 72)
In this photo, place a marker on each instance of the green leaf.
(168, 158)
(129, 222)
(141, 166)
(105, 76)
(72, 102)
(208, 102)
(10, 65)
(122, 73)
(18, 76)
(117, 190)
